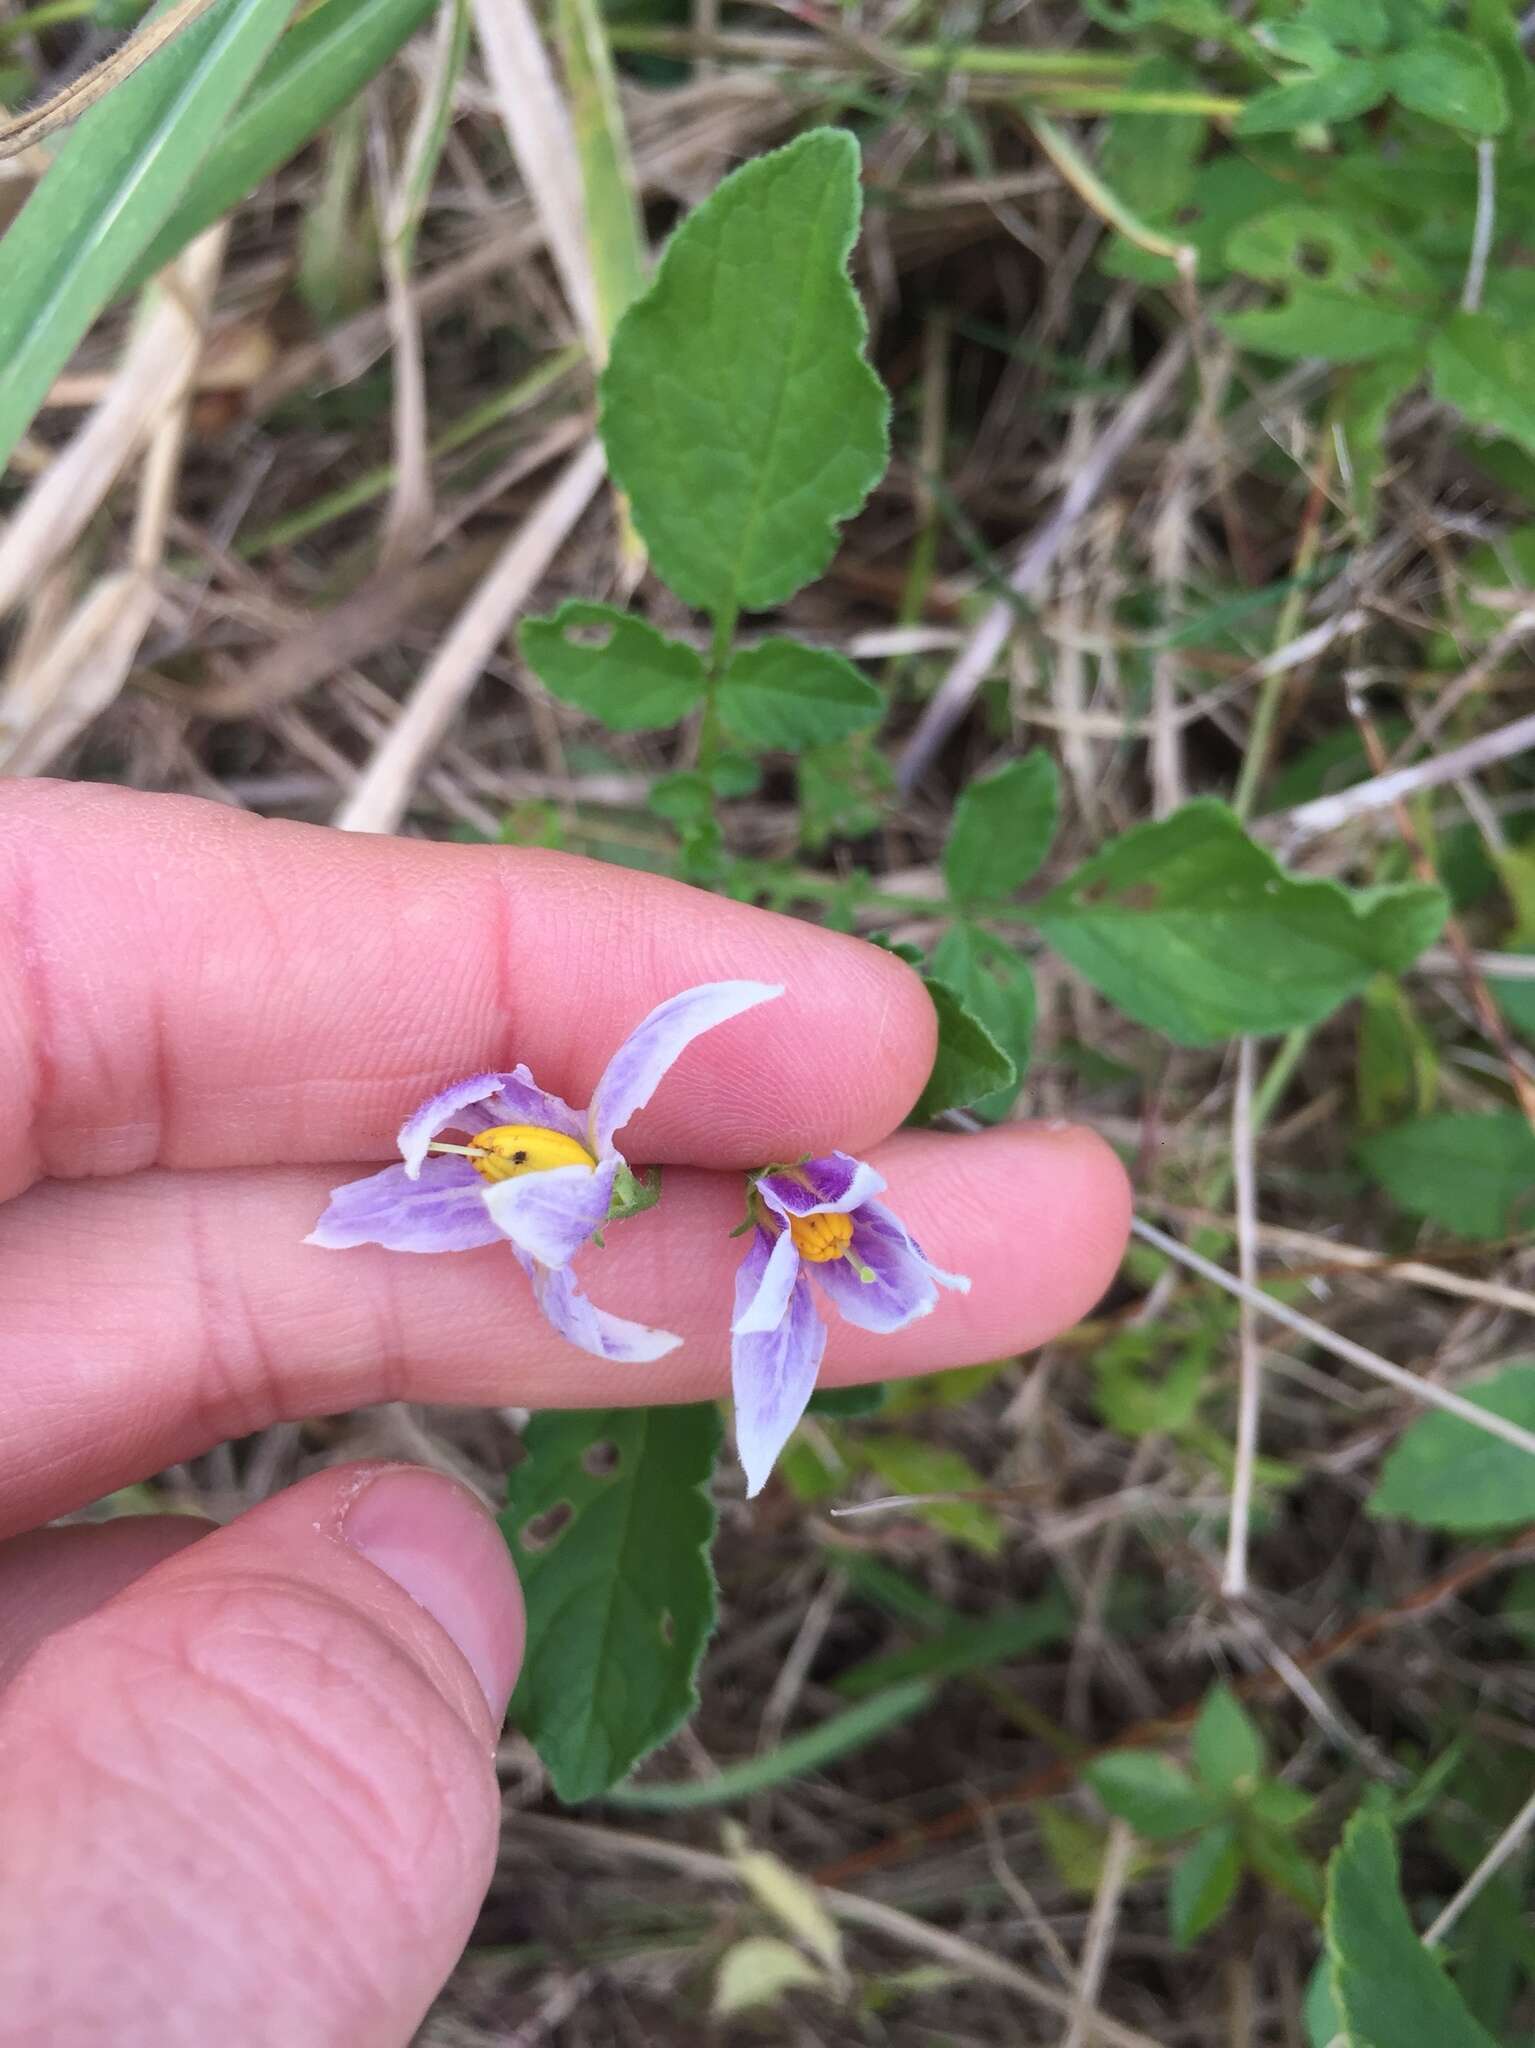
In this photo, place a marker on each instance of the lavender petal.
(773, 1372)
(443, 1211)
(588, 1327)
(550, 1215)
(640, 1064)
(481, 1103)
(903, 1285)
(836, 1181)
(765, 1309)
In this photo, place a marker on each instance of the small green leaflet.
(1448, 1474)
(1194, 930)
(995, 985)
(614, 667)
(968, 1064)
(780, 693)
(1473, 1174)
(1227, 1748)
(738, 412)
(1156, 1796)
(1204, 1883)
(1337, 94)
(1389, 1989)
(1487, 372)
(116, 177)
(609, 1523)
(320, 63)
(1003, 826)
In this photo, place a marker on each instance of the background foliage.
(1042, 584)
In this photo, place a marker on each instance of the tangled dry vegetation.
(234, 590)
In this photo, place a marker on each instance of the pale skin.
(248, 1769)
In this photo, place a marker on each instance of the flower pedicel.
(534, 1171)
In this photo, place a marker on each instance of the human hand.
(247, 1771)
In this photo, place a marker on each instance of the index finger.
(186, 985)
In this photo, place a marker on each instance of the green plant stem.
(968, 59)
(1271, 691)
(801, 1754)
(719, 655)
(364, 490)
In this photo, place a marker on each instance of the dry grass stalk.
(539, 130)
(43, 709)
(383, 792)
(157, 369)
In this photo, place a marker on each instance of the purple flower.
(821, 1213)
(533, 1170)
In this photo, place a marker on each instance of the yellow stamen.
(822, 1237)
(513, 1149)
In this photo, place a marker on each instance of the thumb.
(260, 1781)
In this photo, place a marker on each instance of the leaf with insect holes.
(1444, 1473)
(609, 1522)
(614, 667)
(113, 181)
(968, 1065)
(780, 693)
(1003, 826)
(738, 412)
(1473, 1174)
(1388, 1987)
(1195, 930)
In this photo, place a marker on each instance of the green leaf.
(1444, 1473)
(1156, 1796)
(323, 61)
(1473, 1174)
(968, 1065)
(1195, 930)
(1204, 1883)
(1487, 372)
(1003, 826)
(1515, 997)
(1390, 1990)
(845, 1403)
(612, 666)
(1285, 1867)
(907, 1465)
(609, 1522)
(1324, 2022)
(783, 694)
(1451, 79)
(1337, 94)
(995, 985)
(738, 412)
(1148, 160)
(117, 175)
(1398, 1060)
(1228, 1750)
(1279, 1805)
